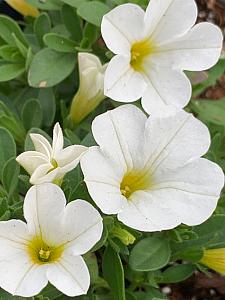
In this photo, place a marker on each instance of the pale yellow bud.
(91, 89)
(214, 259)
(23, 7)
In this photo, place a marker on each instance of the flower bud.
(214, 259)
(123, 235)
(90, 92)
(23, 7)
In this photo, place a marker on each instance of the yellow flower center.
(40, 252)
(135, 181)
(139, 51)
(54, 163)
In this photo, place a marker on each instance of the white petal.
(174, 140)
(144, 213)
(68, 158)
(57, 142)
(13, 237)
(43, 208)
(103, 180)
(167, 90)
(31, 160)
(41, 144)
(167, 19)
(122, 26)
(82, 225)
(120, 134)
(18, 275)
(123, 83)
(43, 174)
(88, 60)
(191, 191)
(70, 275)
(198, 50)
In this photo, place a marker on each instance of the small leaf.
(10, 54)
(7, 147)
(177, 273)
(46, 5)
(72, 22)
(9, 71)
(49, 68)
(10, 176)
(32, 114)
(42, 25)
(210, 111)
(59, 43)
(46, 98)
(93, 12)
(74, 3)
(113, 273)
(150, 254)
(8, 27)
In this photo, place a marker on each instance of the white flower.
(91, 89)
(50, 163)
(149, 171)
(152, 48)
(49, 246)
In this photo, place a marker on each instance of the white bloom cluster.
(146, 170)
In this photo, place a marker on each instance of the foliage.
(38, 80)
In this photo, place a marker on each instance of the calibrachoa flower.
(23, 7)
(50, 163)
(90, 92)
(149, 171)
(152, 48)
(49, 246)
(214, 259)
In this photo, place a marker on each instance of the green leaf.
(10, 176)
(46, 5)
(49, 68)
(7, 148)
(113, 273)
(177, 273)
(10, 121)
(89, 140)
(210, 110)
(42, 25)
(150, 254)
(213, 75)
(10, 53)
(29, 58)
(32, 114)
(9, 71)
(46, 99)
(92, 264)
(90, 36)
(8, 27)
(72, 22)
(93, 12)
(74, 3)
(22, 49)
(59, 43)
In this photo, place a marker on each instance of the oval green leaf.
(113, 273)
(92, 12)
(150, 254)
(49, 68)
